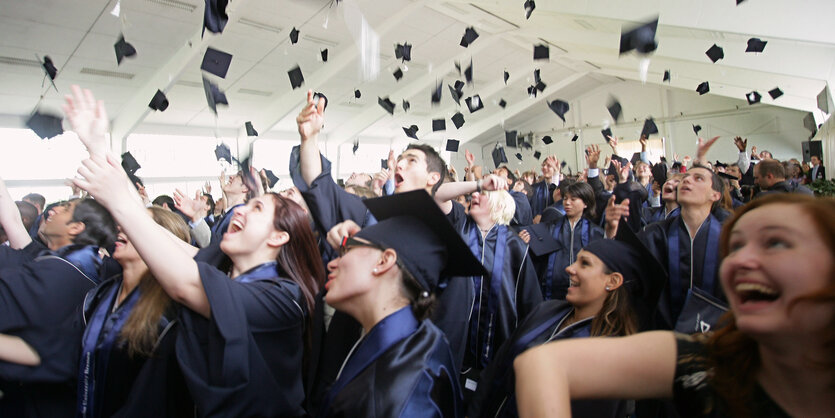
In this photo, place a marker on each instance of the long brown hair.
(141, 329)
(733, 355)
(616, 317)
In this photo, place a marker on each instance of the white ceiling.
(79, 37)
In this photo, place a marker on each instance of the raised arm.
(10, 220)
(310, 122)
(702, 148)
(88, 119)
(449, 191)
(743, 161)
(635, 367)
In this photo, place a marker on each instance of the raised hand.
(553, 162)
(492, 182)
(88, 119)
(643, 142)
(592, 155)
(613, 142)
(741, 144)
(195, 209)
(143, 194)
(525, 235)
(207, 188)
(311, 118)
(378, 181)
(613, 215)
(103, 178)
(703, 146)
(469, 157)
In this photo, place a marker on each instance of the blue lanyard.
(710, 262)
(96, 347)
(259, 273)
(552, 259)
(495, 288)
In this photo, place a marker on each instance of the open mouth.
(573, 283)
(755, 292)
(398, 180)
(234, 226)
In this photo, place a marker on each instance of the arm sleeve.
(201, 233)
(743, 161)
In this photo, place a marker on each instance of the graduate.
(543, 189)
(770, 358)
(612, 284)
(669, 205)
(572, 232)
(385, 278)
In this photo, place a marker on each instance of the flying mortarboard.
(452, 145)
(45, 125)
(123, 49)
(753, 97)
(222, 152)
(403, 51)
(636, 156)
(214, 96)
(250, 131)
(502, 103)
(537, 81)
(756, 45)
(272, 179)
(50, 70)
(649, 128)
(697, 128)
(469, 37)
(703, 88)
(216, 62)
(456, 95)
(529, 7)
(356, 146)
(458, 120)
(525, 144)
(640, 38)
(666, 76)
(715, 53)
(468, 72)
(506, 76)
(294, 36)
(214, 16)
(438, 125)
(614, 108)
(474, 103)
(386, 104)
(411, 131)
(537, 154)
(775, 93)
(541, 52)
(357, 94)
(129, 163)
(436, 94)
(398, 74)
(324, 54)
(406, 105)
(510, 138)
(547, 140)
(575, 138)
(559, 107)
(519, 156)
(159, 101)
(499, 156)
(606, 134)
(296, 77)
(659, 173)
(320, 96)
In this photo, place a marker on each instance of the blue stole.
(552, 259)
(388, 332)
(541, 197)
(495, 290)
(259, 273)
(86, 258)
(674, 265)
(99, 336)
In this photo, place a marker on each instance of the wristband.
(478, 185)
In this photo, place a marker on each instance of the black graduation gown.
(569, 244)
(401, 368)
(657, 214)
(495, 396)
(246, 360)
(40, 302)
(523, 215)
(543, 196)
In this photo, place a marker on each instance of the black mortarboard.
(649, 128)
(697, 128)
(537, 154)
(272, 179)
(214, 16)
(725, 175)
(676, 166)
(45, 125)
(123, 49)
(459, 87)
(159, 101)
(214, 96)
(506, 76)
(398, 74)
(384, 163)
(499, 156)
(129, 163)
(474, 103)
(357, 94)
(452, 145)
(614, 108)
(640, 38)
(49, 67)
(324, 54)
(406, 105)
(753, 97)
(294, 35)
(216, 62)
(403, 51)
(222, 152)
(426, 244)
(575, 138)
(468, 72)
(438, 125)
(703, 88)
(502, 103)
(296, 77)
(458, 120)
(775, 93)
(666, 76)
(411, 131)
(606, 134)
(756, 45)
(542, 241)
(524, 144)
(537, 81)
(532, 91)
(659, 173)
(436, 94)
(519, 156)
(356, 146)
(250, 131)
(456, 95)
(320, 96)
(547, 140)
(739, 1)
(529, 7)
(510, 138)
(541, 52)
(469, 37)
(636, 156)
(715, 53)
(559, 107)
(386, 104)
(719, 164)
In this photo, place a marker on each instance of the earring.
(374, 271)
(608, 288)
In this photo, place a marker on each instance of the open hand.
(311, 118)
(88, 119)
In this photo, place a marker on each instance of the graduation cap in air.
(438, 125)
(547, 140)
(636, 156)
(386, 104)
(575, 138)
(468, 72)
(499, 156)
(715, 53)
(324, 54)
(541, 52)
(294, 36)
(222, 152)
(403, 51)
(739, 1)
(537, 81)
(159, 101)
(406, 105)
(357, 94)
(250, 131)
(506, 76)
(510, 138)
(519, 156)
(529, 7)
(214, 16)
(649, 128)
(502, 103)
(320, 96)
(640, 38)
(123, 49)
(666, 76)
(129, 163)
(458, 120)
(45, 125)
(49, 67)
(469, 37)
(452, 145)
(525, 144)
(474, 103)
(756, 45)
(659, 173)
(411, 131)
(398, 74)
(614, 108)
(697, 128)
(703, 88)
(296, 77)
(214, 96)
(356, 146)
(537, 154)
(559, 107)
(436, 94)
(532, 91)
(753, 97)
(216, 62)
(606, 134)
(775, 93)
(427, 245)
(456, 94)
(272, 179)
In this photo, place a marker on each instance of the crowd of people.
(633, 289)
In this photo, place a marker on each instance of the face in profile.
(587, 280)
(251, 226)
